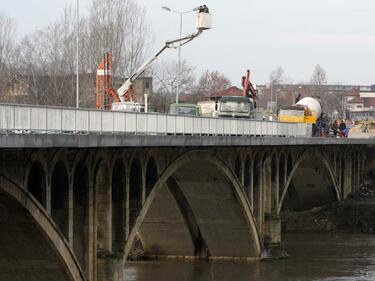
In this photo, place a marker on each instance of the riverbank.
(356, 214)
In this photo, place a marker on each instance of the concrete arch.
(44, 242)
(237, 192)
(304, 156)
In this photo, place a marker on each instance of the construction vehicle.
(123, 98)
(307, 110)
(238, 106)
(187, 109)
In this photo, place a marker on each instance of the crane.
(123, 98)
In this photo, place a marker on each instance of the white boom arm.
(169, 44)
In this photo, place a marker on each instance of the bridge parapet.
(40, 119)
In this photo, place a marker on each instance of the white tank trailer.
(312, 104)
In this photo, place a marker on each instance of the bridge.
(80, 190)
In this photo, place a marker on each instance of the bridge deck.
(91, 141)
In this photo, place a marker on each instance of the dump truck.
(238, 106)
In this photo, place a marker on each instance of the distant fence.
(40, 119)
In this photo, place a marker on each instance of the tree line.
(45, 60)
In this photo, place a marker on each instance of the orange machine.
(105, 94)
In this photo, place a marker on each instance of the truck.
(187, 109)
(238, 106)
(123, 98)
(235, 107)
(307, 110)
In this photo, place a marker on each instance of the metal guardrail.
(41, 119)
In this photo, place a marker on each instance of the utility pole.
(77, 57)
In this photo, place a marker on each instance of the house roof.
(356, 100)
(351, 93)
(232, 91)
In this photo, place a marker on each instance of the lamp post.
(77, 57)
(179, 47)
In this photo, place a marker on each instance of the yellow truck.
(307, 110)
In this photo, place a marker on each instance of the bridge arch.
(326, 167)
(195, 214)
(43, 241)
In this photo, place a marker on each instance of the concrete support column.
(242, 175)
(110, 268)
(70, 212)
(272, 229)
(91, 266)
(127, 203)
(277, 189)
(143, 184)
(347, 176)
(273, 248)
(48, 193)
(251, 186)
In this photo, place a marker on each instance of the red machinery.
(247, 86)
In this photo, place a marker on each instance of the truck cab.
(187, 109)
(235, 107)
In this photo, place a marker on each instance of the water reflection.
(314, 257)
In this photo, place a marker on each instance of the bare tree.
(277, 75)
(116, 26)
(7, 49)
(319, 76)
(211, 82)
(165, 81)
(47, 60)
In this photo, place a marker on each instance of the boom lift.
(123, 98)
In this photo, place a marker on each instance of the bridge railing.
(40, 119)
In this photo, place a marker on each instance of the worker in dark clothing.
(343, 129)
(335, 128)
(203, 9)
(298, 98)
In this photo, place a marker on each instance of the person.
(335, 128)
(298, 98)
(343, 129)
(203, 9)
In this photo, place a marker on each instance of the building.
(359, 103)
(60, 90)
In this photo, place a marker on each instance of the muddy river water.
(313, 257)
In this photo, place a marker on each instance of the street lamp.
(77, 57)
(179, 46)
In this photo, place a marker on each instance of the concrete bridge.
(73, 206)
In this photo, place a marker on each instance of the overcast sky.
(256, 34)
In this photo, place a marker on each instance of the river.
(315, 257)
